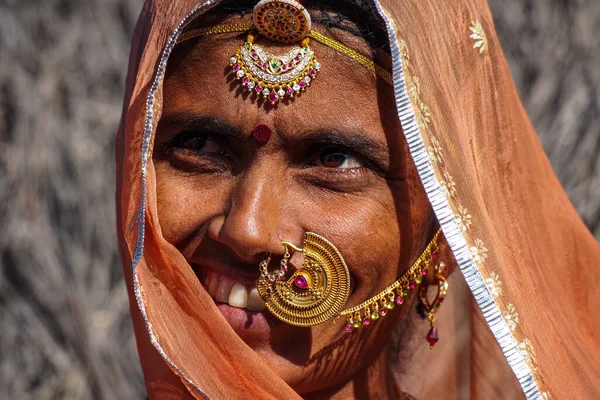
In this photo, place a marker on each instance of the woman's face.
(335, 165)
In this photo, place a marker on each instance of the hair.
(350, 16)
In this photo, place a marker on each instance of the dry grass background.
(64, 323)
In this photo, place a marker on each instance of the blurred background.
(65, 331)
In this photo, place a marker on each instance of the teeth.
(226, 290)
(206, 283)
(213, 285)
(238, 296)
(255, 302)
(223, 291)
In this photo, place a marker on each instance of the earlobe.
(443, 255)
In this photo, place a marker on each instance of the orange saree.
(523, 252)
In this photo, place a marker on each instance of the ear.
(444, 255)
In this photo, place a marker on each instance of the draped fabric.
(523, 252)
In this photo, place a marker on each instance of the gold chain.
(370, 309)
(214, 30)
(319, 37)
(347, 51)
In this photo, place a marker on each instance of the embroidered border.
(412, 118)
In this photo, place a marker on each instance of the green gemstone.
(356, 324)
(389, 305)
(374, 316)
(419, 280)
(405, 292)
(275, 64)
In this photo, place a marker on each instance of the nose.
(255, 223)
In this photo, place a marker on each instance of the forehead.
(344, 94)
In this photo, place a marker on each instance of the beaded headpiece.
(279, 77)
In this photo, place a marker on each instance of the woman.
(335, 148)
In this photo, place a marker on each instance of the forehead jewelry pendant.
(277, 77)
(315, 292)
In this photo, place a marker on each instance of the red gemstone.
(258, 88)
(302, 84)
(291, 91)
(313, 73)
(301, 282)
(245, 80)
(236, 67)
(399, 300)
(273, 97)
(366, 321)
(412, 285)
(349, 328)
(434, 255)
(262, 134)
(382, 312)
(432, 336)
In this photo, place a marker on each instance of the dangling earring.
(431, 308)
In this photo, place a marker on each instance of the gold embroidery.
(463, 218)
(494, 284)
(511, 316)
(478, 34)
(143, 294)
(423, 115)
(413, 88)
(435, 151)
(404, 53)
(448, 185)
(479, 252)
(528, 352)
(422, 112)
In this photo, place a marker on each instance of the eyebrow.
(189, 121)
(356, 140)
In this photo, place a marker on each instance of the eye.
(336, 157)
(198, 142)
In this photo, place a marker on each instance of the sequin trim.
(479, 36)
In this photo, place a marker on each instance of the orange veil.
(525, 255)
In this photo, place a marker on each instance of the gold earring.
(315, 292)
(431, 308)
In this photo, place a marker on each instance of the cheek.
(366, 231)
(186, 203)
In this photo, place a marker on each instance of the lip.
(249, 325)
(232, 272)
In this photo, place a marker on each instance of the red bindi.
(262, 133)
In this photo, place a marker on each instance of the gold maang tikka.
(319, 289)
(276, 76)
(280, 77)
